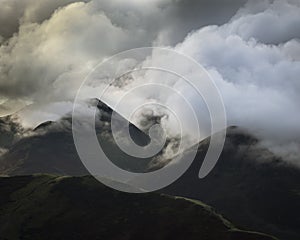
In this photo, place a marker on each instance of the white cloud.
(259, 81)
(254, 58)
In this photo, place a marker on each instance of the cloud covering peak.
(252, 51)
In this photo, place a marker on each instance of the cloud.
(14, 12)
(259, 81)
(273, 23)
(184, 16)
(48, 47)
(57, 51)
(9, 106)
(52, 51)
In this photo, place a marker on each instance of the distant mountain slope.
(10, 130)
(51, 207)
(50, 148)
(52, 152)
(249, 185)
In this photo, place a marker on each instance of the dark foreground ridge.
(52, 207)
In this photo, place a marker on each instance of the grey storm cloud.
(46, 42)
(15, 12)
(251, 49)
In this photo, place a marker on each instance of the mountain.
(10, 131)
(55, 207)
(50, 148)
(249, 185)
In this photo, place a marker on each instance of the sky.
(250, 48)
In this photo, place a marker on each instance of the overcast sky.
(252, 50)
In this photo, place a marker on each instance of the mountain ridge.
(56, 207)
(249, 184)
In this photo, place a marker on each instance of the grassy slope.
(51, 207)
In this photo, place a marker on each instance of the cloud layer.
(48, 47)
(254, 60)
